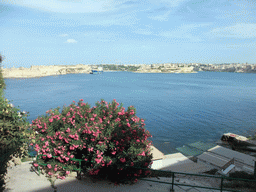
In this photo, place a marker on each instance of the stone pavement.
(20, 178)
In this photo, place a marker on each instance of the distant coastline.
(53, 70)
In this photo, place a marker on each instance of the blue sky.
(70, 32)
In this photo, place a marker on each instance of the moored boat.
(97, 71)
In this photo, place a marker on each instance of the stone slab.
(157, 154)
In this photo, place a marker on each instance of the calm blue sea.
(178, 108)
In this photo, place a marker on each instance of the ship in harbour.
(99, 70)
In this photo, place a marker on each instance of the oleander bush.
(109, 140)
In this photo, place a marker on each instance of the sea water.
(178, 108)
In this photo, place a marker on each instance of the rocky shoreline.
(42, 71)
(52, 70)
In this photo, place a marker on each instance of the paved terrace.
(22, 178)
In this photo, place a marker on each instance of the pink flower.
(68, 130)
(98, 160)
(35, 164)
(109, 163)
(122, 160)
(92, 119)
(114, 152)
(49, 166)
(142, 154)
(67, 172)
(55, 169)
(81, 100)
(62, 177)
(50, 173)
(42, 139)
(128, 124)
(49, 155)
(72, 136)
(90, 149)
(132, 164)
(71, 156)
(71, 148)
(50, 120)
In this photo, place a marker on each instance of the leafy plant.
(14, 135)
(108, 139)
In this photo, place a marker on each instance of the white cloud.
(241, 30)
(64, 35)
(124, 19)
(71, 6)
(143, 32)
(170, 3)
(185, 32)
(163, 17)
(173, 3)
(71, 41)
(169, 6)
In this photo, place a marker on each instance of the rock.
(17, 161)
(10, 164)
(72, 174)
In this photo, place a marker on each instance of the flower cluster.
(106, 137)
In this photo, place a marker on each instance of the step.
(228, 153)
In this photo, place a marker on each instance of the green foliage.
(108, 139)
(2, 83)
(13, 133)
(13, 136)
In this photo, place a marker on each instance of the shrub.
(13, 135)
(108, 139)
